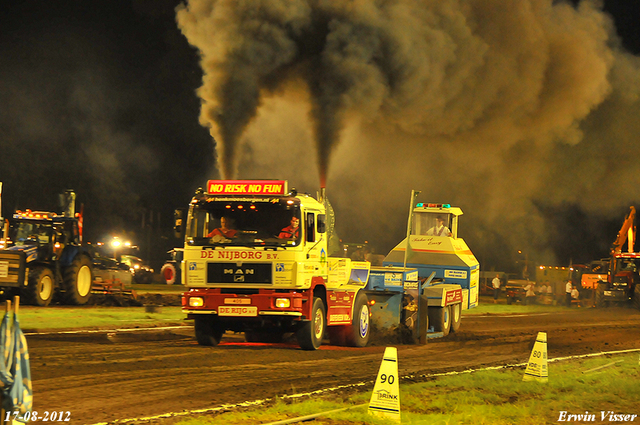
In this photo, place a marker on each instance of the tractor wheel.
(456, 317)
(440, 318)
(208, 332)
(311, 332)
(358, 332)
(77, 281)
(39, 290)
(600, 300)
(169, 273)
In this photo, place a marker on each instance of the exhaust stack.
(322, 194)
(68, 203)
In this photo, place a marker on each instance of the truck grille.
(12, 272)
(233, 273)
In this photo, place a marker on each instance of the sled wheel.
(39, 290)
(440, 318)
(358, 335)
(311, 332)
(208, 332)
(77, 281)
(456, 316)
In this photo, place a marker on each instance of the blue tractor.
(42, 255)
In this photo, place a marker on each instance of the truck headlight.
(196, 302)
(283, 302)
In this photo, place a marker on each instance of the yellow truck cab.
(247, 268)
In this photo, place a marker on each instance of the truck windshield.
(29, 233)
(259, 222)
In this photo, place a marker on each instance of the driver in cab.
(292, 231)
(225, 230)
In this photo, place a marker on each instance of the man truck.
(259, 258)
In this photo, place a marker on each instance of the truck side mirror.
(178, 223)
(322, 225)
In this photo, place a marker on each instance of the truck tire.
(77, 281)
(456, 317)
(169, 273)
(358, 332)
(39, 290)
(208, 332)
(440, 318)
(311, 332)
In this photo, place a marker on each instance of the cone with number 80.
(537, 366)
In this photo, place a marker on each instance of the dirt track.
(108, 376)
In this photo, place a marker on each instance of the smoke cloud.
(516, 110)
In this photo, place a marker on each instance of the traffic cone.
(537, 366)
(385, 399)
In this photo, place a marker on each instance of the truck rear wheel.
(358, 332)
(208, 332)
(77, 281)
(311, 332)
(456, 317)
(39, 290)
(440, 318)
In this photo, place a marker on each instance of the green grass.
(483, 397)
(66, 317)
(50, 318)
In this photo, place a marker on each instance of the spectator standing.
(496, 288)
(530, 295)
(575, 294)
(568, 288)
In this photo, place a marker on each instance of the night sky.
(522, 112)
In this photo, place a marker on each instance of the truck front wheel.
(440, 318)
(77, 281)
(208, 332)
(39, 289)
(311, 332)
(358, 335)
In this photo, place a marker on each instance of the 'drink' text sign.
(247, 187)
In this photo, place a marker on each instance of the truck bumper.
(266, 303)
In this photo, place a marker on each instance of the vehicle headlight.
(196, 302)
(283, 302)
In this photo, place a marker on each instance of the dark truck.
(514, 290)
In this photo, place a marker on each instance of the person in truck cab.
(439, 229)
(292, 231)
(225, 230)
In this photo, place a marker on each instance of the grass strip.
(482, 397)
